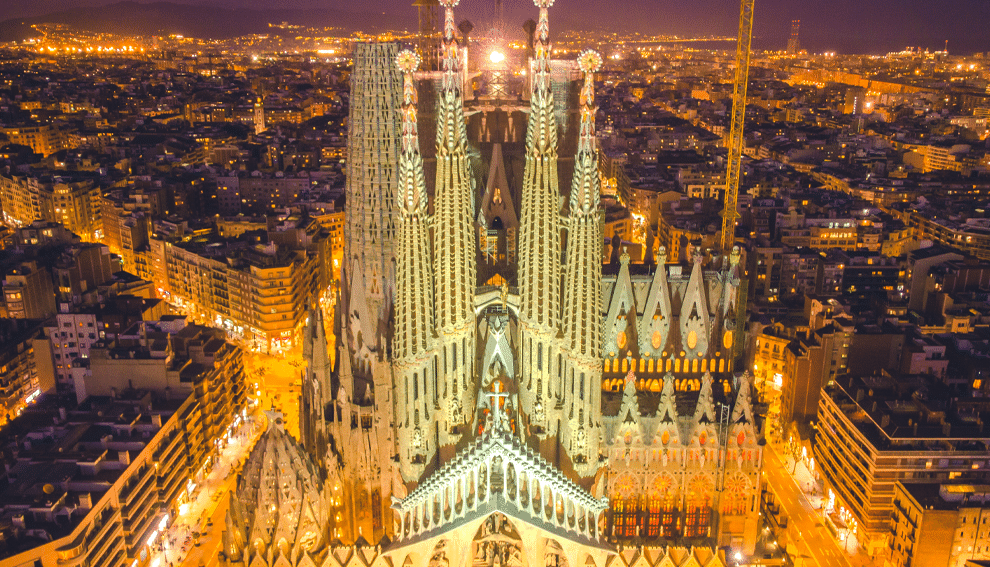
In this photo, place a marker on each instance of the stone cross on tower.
(495, 398)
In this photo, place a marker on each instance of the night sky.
(867, 26)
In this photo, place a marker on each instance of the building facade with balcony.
(875, 431)
(99, 486)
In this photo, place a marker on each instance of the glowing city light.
(496, 57)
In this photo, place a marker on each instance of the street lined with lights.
(811, 537)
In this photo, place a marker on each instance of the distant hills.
(848, 26)
(163, 18)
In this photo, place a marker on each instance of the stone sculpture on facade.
(534, 411)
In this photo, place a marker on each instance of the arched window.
(735, 499)
(697, 521)
(624, 517)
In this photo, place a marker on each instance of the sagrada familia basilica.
(500, 394)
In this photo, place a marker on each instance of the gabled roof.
(499, 443)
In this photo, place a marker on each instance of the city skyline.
(275, 293)
(845, 26)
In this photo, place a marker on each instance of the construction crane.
(734, 172)
(428, 40)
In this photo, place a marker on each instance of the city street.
(278, 380)
(813, 543)
(205, 511)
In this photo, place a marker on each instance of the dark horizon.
(845, 26)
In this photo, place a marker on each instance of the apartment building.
(44, 232)
(44, 139)
(257, 291)
(76, 206)
(126, 224)
(687, 224)
(95, 483)
(769, 362)
(939, 525)
(171, 356)
(19, 378)
(332, 219)
(79, 272)
(23, 201)
(969, 235)
(875, 431)
(72, 335)
(28, 292)
(256, 192)
(73, 203)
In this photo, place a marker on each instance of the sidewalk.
(178, 539)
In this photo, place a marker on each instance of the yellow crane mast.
(734, 173)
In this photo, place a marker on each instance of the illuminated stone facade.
(279, 513)
(454, 370)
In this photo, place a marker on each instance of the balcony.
(134, 512)
(134, 484)
(113, 557)
(110, 517)
(72, 553)
(110, 540)
(169, 461)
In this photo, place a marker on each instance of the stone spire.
(694, 320)
(583, 281)
(315, 392)
(278, 513)
(372, 160)
(454, 246)
(583, 269)
(539, 238)
(414, 326)
(539, 260)
(667, 413)
(704, 412)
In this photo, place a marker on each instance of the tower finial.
(412, 193)
(448, 24)
(450, 63)
(589, 62)
(408, 62)
(543, 27)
